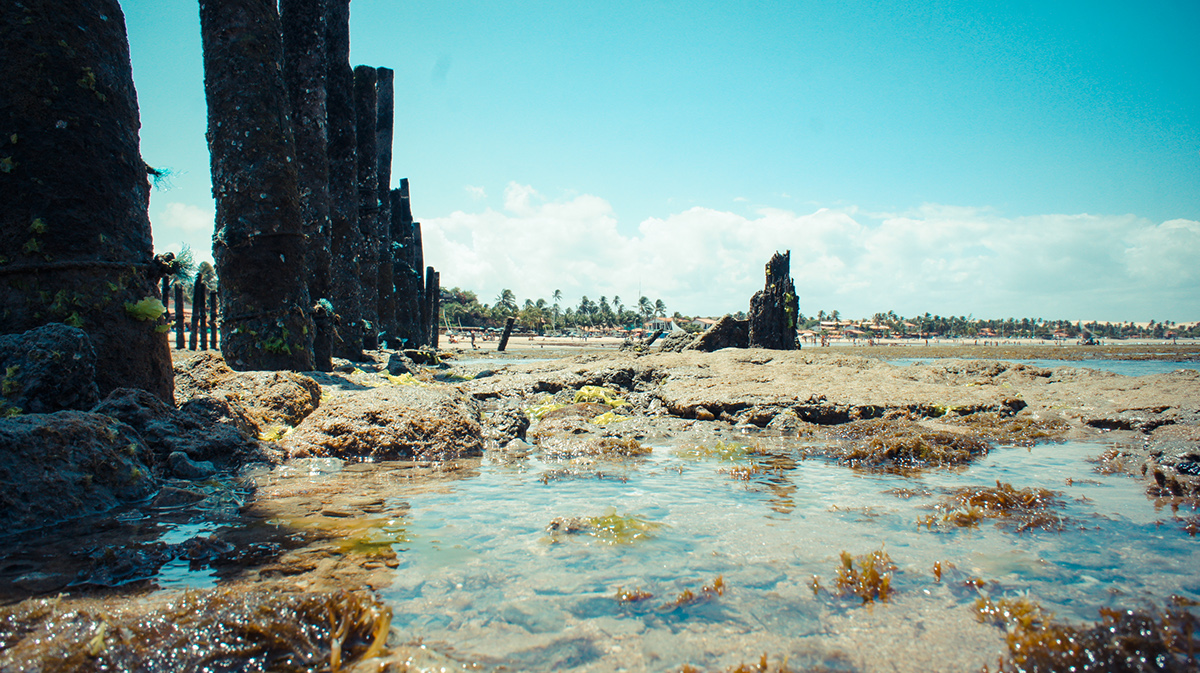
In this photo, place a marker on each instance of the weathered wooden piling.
(365, 111)
(773, 310)
(428, 308)
(212, 318)
(385, 103)
(305, 71)
(199, 315)
(435, 307)
(346, 242)
(179, 342)
(259, 243)
(508, 326)
(75, 238)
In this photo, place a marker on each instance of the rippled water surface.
(480, 573)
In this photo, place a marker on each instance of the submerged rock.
(70, 463)
(47, 369)
(390, 423)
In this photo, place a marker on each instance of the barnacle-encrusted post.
(259, 243)
(365, 107)
(346, 244)
(774, 309)
(75, 243)
(305, 67)
(383, 142)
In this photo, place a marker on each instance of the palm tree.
(645, 307)
(660, 308)
(506, 301)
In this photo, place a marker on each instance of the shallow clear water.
(482, 575)
(1123, 367)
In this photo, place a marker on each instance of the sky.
(993, 159)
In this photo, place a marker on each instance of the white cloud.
(936, 258)
(176, 224)
(476, 193)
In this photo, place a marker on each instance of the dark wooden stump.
(366, 101)
(346, 242)
(212, 318)
(305, 71)
(75, 236)
(385, 103)
(259, 244)
(773, 311)
(508, 326)
(179, 342)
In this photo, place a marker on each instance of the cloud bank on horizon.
(942, 259)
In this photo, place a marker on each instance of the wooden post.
(212, 313)
(366, 101)
(202, 309)
(75, 236)
(259, 243)
(435, 305)
(198, 292)
(166, 298)
(305, 71)
(346, 243)
(508, 325)
(774, 309)
(179, 317)
(385, 104)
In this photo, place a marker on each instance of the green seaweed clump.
(872, 578)
(609, 528)
(222, 629)
(1025, 430)
(892, 444)
(536, 412)
(598, 395)
(1027, 508)
(726, 452)
(1123, 640)
(706, 593)
(145, 310)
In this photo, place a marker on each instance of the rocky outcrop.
(727, 332)
(266, 398)
(178, 439)
(405, 422)
(47, 369)
(69, 463)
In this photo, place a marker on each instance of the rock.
(675, 342)
(269, 398)
(390, 423)
(47, 369)
(506, 424)
(399, 363)
(186, 468)
(67, 464)
(727, 332)
(171, 496)
(423, 356)
(221, 407)
(166, 431)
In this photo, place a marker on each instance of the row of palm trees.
(462, 307)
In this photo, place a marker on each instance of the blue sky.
(997, 159)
